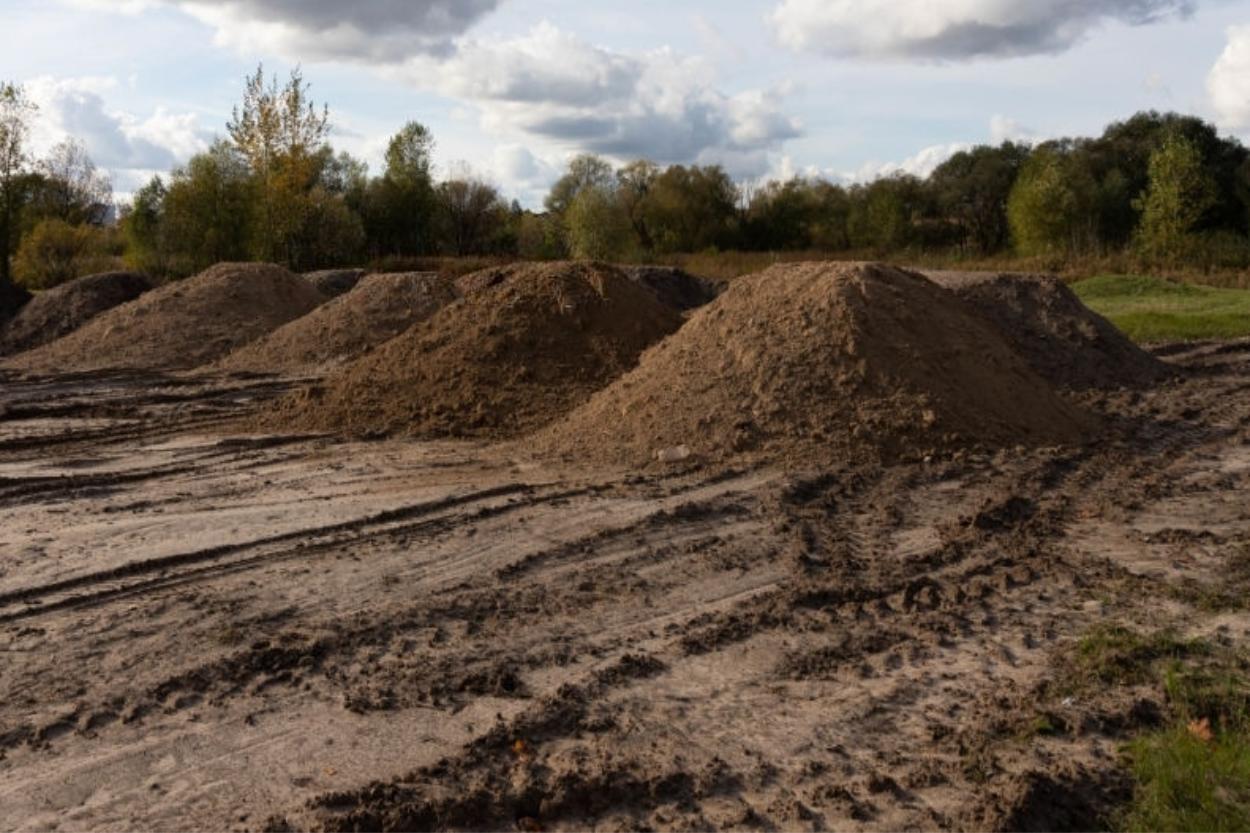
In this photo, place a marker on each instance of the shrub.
(55, 252)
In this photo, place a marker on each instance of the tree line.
(1166, 187)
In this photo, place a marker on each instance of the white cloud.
(131, 148)
(954, 29)
(1005, 129)
(1229, 81)
(554, 86)
(356, 30)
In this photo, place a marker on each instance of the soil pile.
(674, 287)
(12, 299)
(335, 282)
(501, 361)
(817, 361)
(60, 311)
(1065, 341)
(378, 309)
(181, 325)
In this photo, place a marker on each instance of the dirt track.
(202, 631)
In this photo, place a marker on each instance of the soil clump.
(675, 287)
(335, 282)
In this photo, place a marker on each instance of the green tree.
(1179, 194)
(403, 203)
(16, 111)
(598, 226)
(206, 215)
(1050, 208)
(972, 188)
(633, 186)
(473, 217)
(143, 228)
(279, 131)
(585, 171)
(691, 209)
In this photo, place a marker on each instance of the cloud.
(660, 105)
(368, 31)
(1004, 129)
(129, 147)
(953, 30)
(1229, 81)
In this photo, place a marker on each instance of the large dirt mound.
(335, 282)
(378, 309)
(12, 299)
(674, 287)
(60, 311)
(1065, 341)
(181, 325)
(503, 360)
(820, 360)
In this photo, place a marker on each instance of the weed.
(1187, 783)
(1114, 655)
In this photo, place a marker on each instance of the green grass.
(1151, 310)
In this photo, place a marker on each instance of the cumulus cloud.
(1229, 81)
(659, 105)
(954, 29)
(356, 30)
(128, 146)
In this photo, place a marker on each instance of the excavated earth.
(204, 630)
(59, 311)
(523, 346)
(376, 310)
(182, 325)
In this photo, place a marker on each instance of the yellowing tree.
(279, 130)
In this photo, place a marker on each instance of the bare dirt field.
(201, 629)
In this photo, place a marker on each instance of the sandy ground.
(206, 631)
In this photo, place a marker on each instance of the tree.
(1050, 205)
(16, 111)
(472, 214)
(71, 188)
(402, 203)
(279, 131)
(972, 188)
(1179, 194)
(585, 171)
(634, 183)
(143, 228)
(207, 211)
(597, 226)
(691, 209)
(883, 213)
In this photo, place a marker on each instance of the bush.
(55, 252)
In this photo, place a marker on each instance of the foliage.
(1179, 194)
(16, 111)
(71, 188)
(472, 215)
(972, 189)
(1049, 209)
(1152, 310)
(55, 252)
(598, 226)
(207, 211)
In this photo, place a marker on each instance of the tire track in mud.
(63, 594)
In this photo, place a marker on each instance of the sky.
(512, 89)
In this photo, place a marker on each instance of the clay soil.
(209, 630)
(59, 311)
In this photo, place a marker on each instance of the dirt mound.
(674, 287)
(822, 360)
(181, 325)
(60, 311)
(1065, 341)
(12, 299)
(378, 309)
(335, 282)
(502, 360)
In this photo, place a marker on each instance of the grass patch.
(1231, 591)
(1195, 775)
(1151, 310)
(1113, 655)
